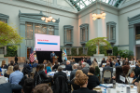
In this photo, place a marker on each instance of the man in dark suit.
(60, 73)
(72, 74)
(68, 66)
(89, 61)
(52, 55)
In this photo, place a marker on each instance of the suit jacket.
(89, 61)
(72, 74)
(68, 67)
(58, 74)
(85, 70)
(51, 55)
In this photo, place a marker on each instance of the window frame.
(108, 29)
(66, 28)
(86, 26)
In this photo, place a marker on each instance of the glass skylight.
(80, 4)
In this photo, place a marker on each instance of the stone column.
(22, 49)
(132, 41)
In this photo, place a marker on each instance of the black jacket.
(89, 61)
(84, 90)
(26, 69)
(43, 77)
(60, 82)
(68, 67)
(93, 81)
(72, 74)
(55, 67)
(58, 74)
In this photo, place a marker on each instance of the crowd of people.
(84, 76)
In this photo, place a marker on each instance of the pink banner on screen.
(47, 42)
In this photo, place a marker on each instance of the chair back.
(107, 74)
(60, 85)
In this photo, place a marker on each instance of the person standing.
(51, 56)
(16, 60)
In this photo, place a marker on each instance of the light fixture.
(98, 16)
(50, 18)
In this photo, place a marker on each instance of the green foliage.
(11, 51)
(8, 35)
(81, 51)
(103, 50)
(125, 53)
(115, 51)
(73, 51)
(97, 71)
(91, 51)
(104, 45)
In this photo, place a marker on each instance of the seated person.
(42, 88)
(85, 67)
(72, 74)
(107, 64)
(125, 70)
(103, 61)
(28, 85)
(35, 63)
(3, 65)
(82, 81)
(118, 73)
(42, 75)
(48, 67)
(9, 71)
(75, 87)
(55, 66)
(60, 73)
(15, 78)
(93, 81)
(116, 64)
(68, 66)
(11, 63)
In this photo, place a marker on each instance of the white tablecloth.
(120, 88)
(52, 73)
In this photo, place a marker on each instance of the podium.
(55, 58)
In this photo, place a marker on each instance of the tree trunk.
(98, 48)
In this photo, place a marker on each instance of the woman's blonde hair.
(3, 63)
(10, 70)
(49, 64)
(80, 79)
(94, 64)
